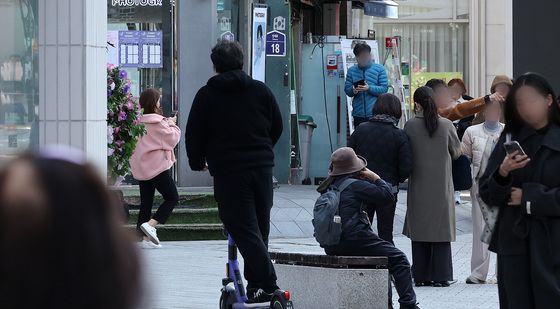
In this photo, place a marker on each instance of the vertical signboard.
(258, 61)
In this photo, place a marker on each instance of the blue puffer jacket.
(376, 77)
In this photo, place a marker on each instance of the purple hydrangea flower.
(123, 74)
(126, 89)
(109, 92)
(122, 116)
(117, 130)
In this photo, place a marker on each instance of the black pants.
(514, 282)
(431, 261)
(165, 185)
(358, 121)
(399, 267)
(385, 219)
(529, 281)
(244, 203)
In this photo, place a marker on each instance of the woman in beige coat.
(430, 216)
(478, 143)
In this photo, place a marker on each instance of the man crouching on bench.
(358, 238)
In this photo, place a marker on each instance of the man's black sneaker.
(260, 296)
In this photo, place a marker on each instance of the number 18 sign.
(275, 44)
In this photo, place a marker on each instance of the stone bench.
(322, 281)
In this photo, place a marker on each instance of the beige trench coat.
(430, 214)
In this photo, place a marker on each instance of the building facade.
(53, 83)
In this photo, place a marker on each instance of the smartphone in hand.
(514, 146)
(359, 83)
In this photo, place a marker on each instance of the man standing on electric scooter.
(233, 126)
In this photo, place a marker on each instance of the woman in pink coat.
(151, 164)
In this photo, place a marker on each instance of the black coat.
(385, 147)
(353, 203)
(233, 125)
(529, 230)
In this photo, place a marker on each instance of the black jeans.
(399, 267)
(385, 219)
(165, 185)
(244, 203)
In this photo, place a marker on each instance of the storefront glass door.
(19, 70)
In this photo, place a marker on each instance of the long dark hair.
(513, 120)
(423, 96)
(61, 243)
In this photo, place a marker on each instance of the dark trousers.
(165, 185)
(385, 219)
(244, 203)
(359, 120)
(431, 261)
(514, 282)
(530, 281)
(399, 267)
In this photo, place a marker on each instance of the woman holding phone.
(151, 163)
(522, 185)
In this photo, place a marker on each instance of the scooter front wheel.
(224, 301)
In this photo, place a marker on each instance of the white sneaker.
(458, 198)
(146, 244)
(151, 232)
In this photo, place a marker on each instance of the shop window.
(19, 85)
(141, 39)
(228, 19)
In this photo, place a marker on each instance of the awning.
(381, 8)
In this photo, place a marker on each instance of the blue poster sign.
(140, 49)
(275, 44)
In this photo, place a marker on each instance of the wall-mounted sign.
(220, 5)
(259, 40)
(140, 49)
(228, 36)
(275, 44)
(136, 2)
(279, 23)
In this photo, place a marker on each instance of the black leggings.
(165, 185)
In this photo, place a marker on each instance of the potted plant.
(123, 124)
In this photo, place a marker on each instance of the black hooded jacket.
(233, 125)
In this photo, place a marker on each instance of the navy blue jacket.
(353, 203)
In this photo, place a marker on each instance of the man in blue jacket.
(365, 81)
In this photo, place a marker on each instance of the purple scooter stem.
(234, 273)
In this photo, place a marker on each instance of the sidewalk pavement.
(293, 210)
(188, 274)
